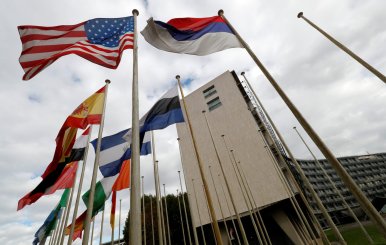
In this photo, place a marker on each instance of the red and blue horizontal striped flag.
(100, 40)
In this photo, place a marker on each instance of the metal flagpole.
(202, 175)
(189, 205)
(182, 222)
(183, 204)
(103, 219)
(112, 231)
(157, 194)
(257, 228)
(219, 204)
(211, 224)
(167, 218)
(57, 229)
(198, 211)
(92, 231)
(229, 211)
(151, 217)
(162, 208)
(143, 212)
(249, 205)
(345, 49)
(346, 178)
(75, 212)
(243, 235)
(94, 173)
(336, 189)
(298, 168)
(68, 208)
(135, 194)
(119, 223)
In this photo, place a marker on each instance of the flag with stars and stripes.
(100, 40)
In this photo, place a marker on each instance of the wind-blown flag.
(115, 150)
(166, 111)
(61, 177)
(113, 206)
(100, 40)
(88, 112)
(49, 224)
(197, 36)
(103, 190)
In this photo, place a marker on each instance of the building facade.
(368, 171)
(221, 109)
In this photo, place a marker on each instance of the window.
(209, 91)
(213, 104)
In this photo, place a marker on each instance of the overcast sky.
(343, 101)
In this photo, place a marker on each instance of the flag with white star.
(100, 40)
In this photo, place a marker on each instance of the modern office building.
(368, 171)
(237, 128)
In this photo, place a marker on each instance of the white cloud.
(341, 99)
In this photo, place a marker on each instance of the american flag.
(100, 40)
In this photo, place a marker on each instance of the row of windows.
(213, 103)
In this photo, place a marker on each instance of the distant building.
(368, 171)
(231, 112)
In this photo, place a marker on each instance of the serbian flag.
(100, 40)
(197, 36)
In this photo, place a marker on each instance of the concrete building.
(230, 112)
(368, 171)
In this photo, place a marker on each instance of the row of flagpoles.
(66, 136)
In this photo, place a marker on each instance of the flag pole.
(219, 204)
(90, 205)
(75, 212)
(229, 211)
(167, 218)
(151, 217)
(209, 198)
(335, 188)
(113, 218)
(57, 229)
(346, 178)
(181, 220)
(119, 222)
(184, 206)
(135, 194)
(298, 168)
(103, 219)
(243, 235)
(157, 194)
(207, 208)
(345, 49)
(144, 215)
(68, 208)
(92, 231)
(189, 205)
(198, 211)
(162, 208)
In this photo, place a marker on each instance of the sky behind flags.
(307, 66)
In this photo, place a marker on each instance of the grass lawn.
(355, 236)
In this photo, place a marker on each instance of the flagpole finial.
(300, 14)
(178, 138)
(220, 12)
(178, 77)
(107, 81)
(178, 171)
(135, 12)
(242, 73)
(142, 176)
(222, 135)
(203, 111)
(294, 127)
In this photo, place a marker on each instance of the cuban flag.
(197, 36)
